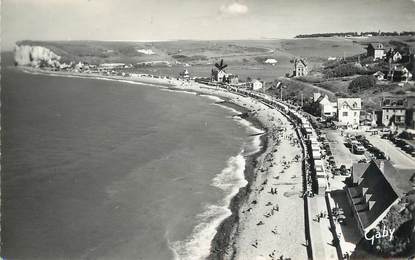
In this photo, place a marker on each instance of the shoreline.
(222, 246)
(224, 240)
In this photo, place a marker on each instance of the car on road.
(385, 136)
(341, 219)
(331, 160)
(349, 140)
(358, 149)
(380, 155)
(343, 170)
(409, 149)
(367, 144)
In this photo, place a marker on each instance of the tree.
(362, 83)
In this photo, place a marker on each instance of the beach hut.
(319, 168)
(322, 185)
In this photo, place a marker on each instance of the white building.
(348, 111)
(396, 56)
(256, 85)
(379, 75)
(376, 50)
(327, 108)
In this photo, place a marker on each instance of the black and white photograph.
(207, 129)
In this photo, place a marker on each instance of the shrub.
(402, 240)
(362, 83)
(344, 70)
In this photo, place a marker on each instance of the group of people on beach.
(276, 134)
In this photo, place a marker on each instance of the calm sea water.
(97, 169)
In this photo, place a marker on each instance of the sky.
(151, 20)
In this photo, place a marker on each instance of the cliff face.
(26, 55)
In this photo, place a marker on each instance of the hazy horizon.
(162, 20)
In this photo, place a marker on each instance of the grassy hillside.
(244, 57)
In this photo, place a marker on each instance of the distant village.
(394, 65)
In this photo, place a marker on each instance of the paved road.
(342, 154)
(399, 158)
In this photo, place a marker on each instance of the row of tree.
(356, 34)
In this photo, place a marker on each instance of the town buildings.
(394, 110)
(256, 84)
(233, 79)
(376, 50)
(185, 75)
(300, 68)
(379, 75)
(218, 75)
(348, 111)
(410, 112)
(325, 106)
(400, 73)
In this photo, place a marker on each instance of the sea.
(102, 169)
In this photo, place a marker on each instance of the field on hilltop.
(244, 57)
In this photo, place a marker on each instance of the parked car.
(385, 136)
(343, 170)
(342, 219)
(337, 211)
(380, 155)
(332, 161)
(358, 149)
(400, 142)
(410, 149)
(360, 138)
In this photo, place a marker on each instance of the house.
(410, 112)
(232, 79)
(218, 75)
(400, 73)
(300, 68)
(348, 111)
(379, 75)
(397, 56)
(372, 192)
(394, 110)
(185, 75)
(327, 108)
(376, 50)
(256, 85)
(393, 55)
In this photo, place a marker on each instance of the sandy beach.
(269, 211)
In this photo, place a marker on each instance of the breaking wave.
(197, 245)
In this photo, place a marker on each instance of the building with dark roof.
(394, 110)
(375, 187)
(376, 50)
(300, 68)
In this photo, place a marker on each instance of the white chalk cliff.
(26, 55)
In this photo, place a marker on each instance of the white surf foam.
(237, 112)
(197, 245)
(179, 91)
(214, 98)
